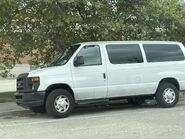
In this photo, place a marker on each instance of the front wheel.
(167, 95)
(59, 103)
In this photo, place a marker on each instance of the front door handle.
(104, 76)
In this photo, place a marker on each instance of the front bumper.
(30, 99)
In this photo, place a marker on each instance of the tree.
(47, 26)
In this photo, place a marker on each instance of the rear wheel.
(167, 95)
(59, 103)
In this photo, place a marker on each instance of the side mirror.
(79, 60)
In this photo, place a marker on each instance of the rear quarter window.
(163, 52)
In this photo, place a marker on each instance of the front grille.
(18, 97)
(20, 84)
(23, 83)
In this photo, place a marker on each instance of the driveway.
(108, 122)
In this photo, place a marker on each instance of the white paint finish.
(155, 72)
(128, 79)
(182, 84)
(53, 75)
(122, 79)
(88, 80)
(125, 79)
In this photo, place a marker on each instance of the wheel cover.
(61, 104)
(169, 95)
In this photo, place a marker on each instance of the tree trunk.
(58, 39)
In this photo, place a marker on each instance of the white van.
(98, 72)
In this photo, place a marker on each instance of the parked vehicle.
(94, 72)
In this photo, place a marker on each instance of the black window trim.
(91, 64)
(126, 44)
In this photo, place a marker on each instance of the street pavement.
(121, 121)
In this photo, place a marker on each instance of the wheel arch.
(58, 86)
(171, 80)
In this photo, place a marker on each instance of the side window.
(163, 52)
(124, 53)
(91, 55)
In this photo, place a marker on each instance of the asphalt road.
(100, 122)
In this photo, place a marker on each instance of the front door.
(90, 78)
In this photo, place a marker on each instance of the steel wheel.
(61, 104)
(169, 95)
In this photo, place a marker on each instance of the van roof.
(118, 42)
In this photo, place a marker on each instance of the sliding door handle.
(104, 76)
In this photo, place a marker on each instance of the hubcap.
(169, 95)
(61, 104)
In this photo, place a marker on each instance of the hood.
(49, 71)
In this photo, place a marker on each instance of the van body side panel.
(125, 80)
(182, 85)
(89, 82)
(155, 72)
(142, 78)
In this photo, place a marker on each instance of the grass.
(7, 97)
(1, 78)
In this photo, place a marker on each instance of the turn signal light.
(35, 79)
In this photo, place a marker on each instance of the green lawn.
(1, 78)
(7, 97)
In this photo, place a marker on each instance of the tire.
(136, 101)
(38, 109)
(59, 103)
(167, 95)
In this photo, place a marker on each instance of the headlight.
(35, 83)
(35, 79)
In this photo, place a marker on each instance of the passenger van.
(103, 72)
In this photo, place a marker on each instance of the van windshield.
(65, 56)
